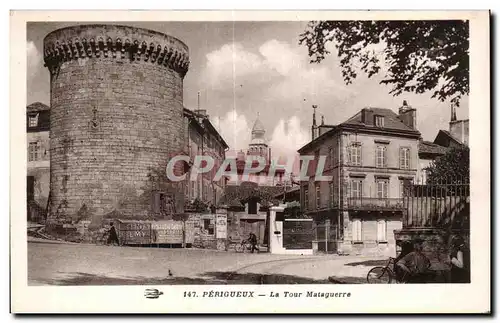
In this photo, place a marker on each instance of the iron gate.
(326, 236)
(298, 233)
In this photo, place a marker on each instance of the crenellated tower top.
(116, 42)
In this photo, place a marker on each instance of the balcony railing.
(375, 203)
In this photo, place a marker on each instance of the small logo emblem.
(152, 293)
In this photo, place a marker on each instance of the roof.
(444, 137)
(204, 125)
(430, 148)
(37, 106)
(41, 115)
(392, 124)
(258, 126)
(391, 120)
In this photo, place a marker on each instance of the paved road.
(80, 264)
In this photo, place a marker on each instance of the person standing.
(253, 241)
(113, 236)
(460, 261)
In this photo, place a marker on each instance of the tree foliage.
(452, 168)
(419, 56)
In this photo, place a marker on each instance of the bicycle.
(243, 246)
(103, 240)
(384, 274)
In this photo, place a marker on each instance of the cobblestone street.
(80, 264)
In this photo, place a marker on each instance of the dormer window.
(33, 120)
(379, 121)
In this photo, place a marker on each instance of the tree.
(453, 167)
(420, 56)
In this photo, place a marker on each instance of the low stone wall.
(367, 248)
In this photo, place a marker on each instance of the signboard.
(169, 232)
(158, 232)
(131, 232)
(297, 234)
(189, 227)
(221, 226)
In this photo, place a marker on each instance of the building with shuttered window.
(38, 156)
(370, 158)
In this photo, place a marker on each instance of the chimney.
(322, 127)
(453, 116)
(367, 116)
(314, 127)
(408, 115)
(459, 129)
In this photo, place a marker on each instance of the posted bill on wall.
(250, 162)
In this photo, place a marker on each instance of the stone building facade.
(370, 157)
(203, 139)
(116, 118)
(38, 165)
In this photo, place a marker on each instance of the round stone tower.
(116, 97)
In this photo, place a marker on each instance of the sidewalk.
(40, 240)
(338, 269)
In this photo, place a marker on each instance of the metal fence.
(298, 233)
(374, 203)
(326, 236)
(437, 205)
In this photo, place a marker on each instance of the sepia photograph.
(249, 152)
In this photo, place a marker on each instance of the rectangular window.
(252, 207)
(318, 196)
(357, 230)
(381, 230)
(379, 121)
(356, 188)
(193, 189)
(355, 154)
(33, 120)
(404, 158)
(381, 159)
(382, 188)
(33, 151)
(404, 185)
(330, 157)
(208, 226)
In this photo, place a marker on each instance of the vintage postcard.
(250, 162)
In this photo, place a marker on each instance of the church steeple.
(258, 145)
(258, 132)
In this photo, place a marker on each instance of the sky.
(245, 70)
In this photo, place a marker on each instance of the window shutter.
(385, 156)
(381, 230)
(356, 230)
(401, 152)
(408, 157)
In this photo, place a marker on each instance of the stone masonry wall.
(116, 118)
